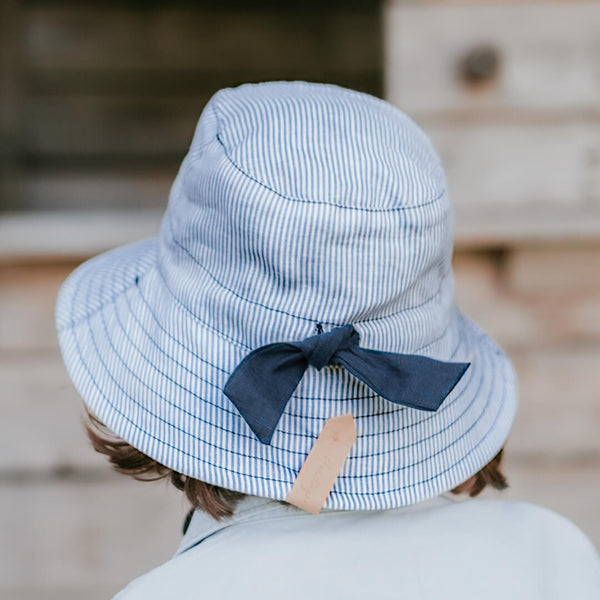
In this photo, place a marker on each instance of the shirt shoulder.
(531, 549)
(494, 549)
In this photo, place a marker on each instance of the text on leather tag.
(323, 465)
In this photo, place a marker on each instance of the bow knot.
(264, 381)
(320, 349)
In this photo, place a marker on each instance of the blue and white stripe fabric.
(297, 205)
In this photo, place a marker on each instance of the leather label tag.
(323, 465)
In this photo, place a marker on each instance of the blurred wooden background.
(98, 102)
(100, 99)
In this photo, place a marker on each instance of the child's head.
(302, 272)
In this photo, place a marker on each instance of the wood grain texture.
(519, 226)
(41, 415)
(526, 308)
(563, 271)
(95, 536)
(525, 170)
(549, 56)
(559, 412)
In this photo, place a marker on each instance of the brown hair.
(490, 475)
(219, 502)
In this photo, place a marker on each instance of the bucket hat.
(299, 209)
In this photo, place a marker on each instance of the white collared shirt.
(439, 549)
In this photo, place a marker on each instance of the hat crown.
(300, 204)
(324, 144)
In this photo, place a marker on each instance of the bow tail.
(407, 379)
(262, 384)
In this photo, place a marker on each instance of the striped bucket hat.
(301, 210)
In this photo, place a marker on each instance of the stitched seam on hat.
(283, 312)
(205, 400)
(225, 410)
(445, 407)
(72, 323)
(174, 339)
(292, 199)
(500, 405)
(168, 423)
(195, 316)
(180, 386)
(196, 417)
(223, 286)
(423, 481)
(75, 323)
(180, 450)
(454, 442)
(425, 420)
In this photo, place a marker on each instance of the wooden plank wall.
(110, 92)
(509, 93)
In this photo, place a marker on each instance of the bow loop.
(264, 381)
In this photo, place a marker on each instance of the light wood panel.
(548, 52)
(523, 169)
(500, 293)
(72, 235)
(87, 536)
(566, 271)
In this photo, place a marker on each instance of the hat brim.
(153, 372)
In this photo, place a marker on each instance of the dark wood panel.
(93, 38)
(10, 91)
(120, 85)
(160, 83)
(79, 126)
(84, 127)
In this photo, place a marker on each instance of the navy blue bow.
(263, 382)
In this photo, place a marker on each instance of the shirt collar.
(253, 508)
(250, 508)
